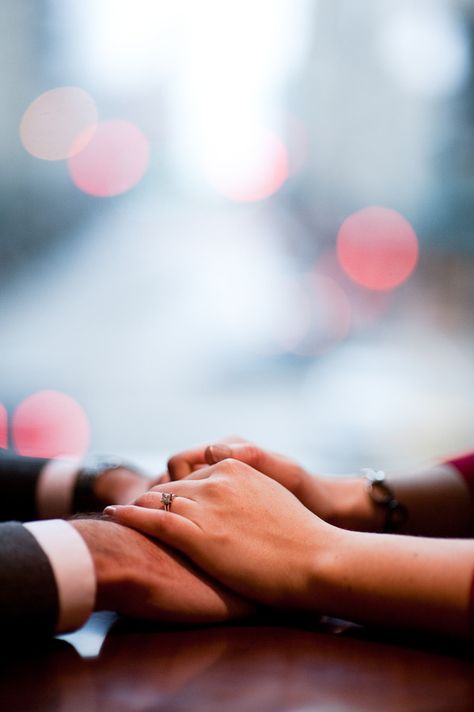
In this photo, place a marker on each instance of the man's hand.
(120, 485)
(143, 579)
(242, 528)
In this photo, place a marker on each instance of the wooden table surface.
(265, 666)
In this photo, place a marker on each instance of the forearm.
(436, 499)
(411, 582)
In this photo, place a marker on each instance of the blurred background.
(238, 217)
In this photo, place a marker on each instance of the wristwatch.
(383, 496)
(84, 497)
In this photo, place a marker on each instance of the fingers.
(184, 463)
(179, 505)
(192, 488)
(169, 527)
(281, 469)
(181, 489)
(245, 452)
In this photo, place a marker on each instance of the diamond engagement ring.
(166, 500)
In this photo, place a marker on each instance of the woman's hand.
(241, 527)
(340, 501)
(250, 533)
(311, 490)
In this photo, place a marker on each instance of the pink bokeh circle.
(58, 123)
(3, 427)
(50, 424)
(113, 161)
(377, 248)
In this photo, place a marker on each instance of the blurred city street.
(214, 295)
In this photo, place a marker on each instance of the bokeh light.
(50, 424)
(377, 248)
(58, 123)
(425, 48)
(114, 160)
(249, 169)
(3, 426)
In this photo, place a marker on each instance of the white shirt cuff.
(73, 569)
(55, 488)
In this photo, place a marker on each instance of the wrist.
(327, 568)
(103, 541)
(350, 505)
(103, 481)
(119, 485)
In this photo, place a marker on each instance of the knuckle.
(221, 487)
(212, 485)
(230, 466)
(221, 538)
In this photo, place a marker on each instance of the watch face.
(101, 464)
(103, 461)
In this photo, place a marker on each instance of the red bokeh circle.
(50, 424)
(3, 427)
(377, 248)
(113, 161)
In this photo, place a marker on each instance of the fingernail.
(111, 511)
(216, 453)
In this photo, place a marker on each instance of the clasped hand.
(241, 527)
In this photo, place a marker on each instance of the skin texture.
(243, 525)
(143, 579)
(436, 498)
(313, 492)
(121, 485)
(251, 533)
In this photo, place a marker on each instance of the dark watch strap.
(383, 496)
(84, 497)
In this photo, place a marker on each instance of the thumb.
(245, 452)
(218, 452)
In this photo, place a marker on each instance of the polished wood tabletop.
(269, 665)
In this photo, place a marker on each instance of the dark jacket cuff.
(29, 602)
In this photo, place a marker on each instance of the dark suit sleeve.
(18, 481)
(29, 602)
